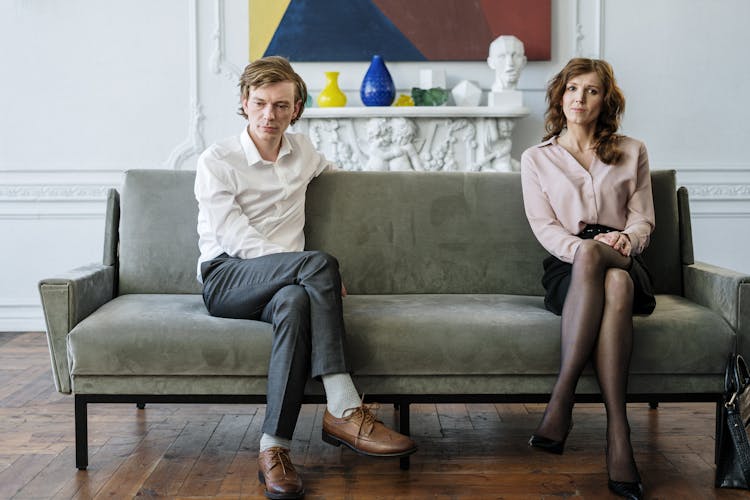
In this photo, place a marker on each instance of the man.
(251, 197)
(507, 58)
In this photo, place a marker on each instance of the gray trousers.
(299, 293)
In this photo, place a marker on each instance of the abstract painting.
(398, 30)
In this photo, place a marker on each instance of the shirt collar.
(251, 151)
(552, 140)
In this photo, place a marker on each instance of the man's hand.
(617, 240)
(343, 290)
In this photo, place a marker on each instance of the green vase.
(331, 95)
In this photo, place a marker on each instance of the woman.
(587, 195)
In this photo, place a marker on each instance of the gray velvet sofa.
(445, 302)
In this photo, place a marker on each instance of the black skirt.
(556, 279)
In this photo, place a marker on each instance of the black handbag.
(733, 461)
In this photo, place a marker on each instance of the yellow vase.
(331, 94)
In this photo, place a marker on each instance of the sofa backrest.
(158, 236)
(452, 232)
(392, 232)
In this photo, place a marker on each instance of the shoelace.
(366, 416)
(279, 456)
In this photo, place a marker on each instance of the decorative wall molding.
(719, 215)
(715, 182)
(217, 62)
(49, 185)
(707, 168)
(718, 192)
(589, 28)
(194, 143)
(53, 193)
(22, 193)
(52, 211)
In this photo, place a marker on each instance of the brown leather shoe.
(276, 472)
(360, 431)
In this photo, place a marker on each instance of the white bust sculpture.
(507, 59)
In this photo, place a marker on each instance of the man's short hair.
(272, 69)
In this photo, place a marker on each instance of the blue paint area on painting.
(339, 30)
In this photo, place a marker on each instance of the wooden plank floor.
(203, 451)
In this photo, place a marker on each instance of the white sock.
(341, 394)
(269, 441)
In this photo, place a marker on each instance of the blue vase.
(377, 87)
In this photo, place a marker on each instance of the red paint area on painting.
(461, 30)
(528, 20)
(443, 30)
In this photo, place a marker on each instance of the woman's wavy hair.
(613, 105)
(272, 69)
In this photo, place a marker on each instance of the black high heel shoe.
(549, 445)
(632, 490)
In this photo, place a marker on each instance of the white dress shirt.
(561, 197)
(249, 207)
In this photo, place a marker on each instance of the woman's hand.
(343, 290)
(617, 240)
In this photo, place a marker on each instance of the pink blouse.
(561, 197)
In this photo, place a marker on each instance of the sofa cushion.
(387, 335)
(163, 334)
(516, 335)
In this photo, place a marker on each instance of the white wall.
(683, 65)
(93, 87)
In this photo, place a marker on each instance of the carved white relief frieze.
(495, 146)
(402, 143)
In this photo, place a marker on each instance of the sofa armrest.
(66, 300)
(724, 291)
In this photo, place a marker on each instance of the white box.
(431, 78)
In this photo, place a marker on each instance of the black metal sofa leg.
(81, 423)
(403, 427)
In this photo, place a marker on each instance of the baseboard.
(21, 317)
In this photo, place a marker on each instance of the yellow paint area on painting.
(265, 16)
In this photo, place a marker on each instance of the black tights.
(597, 325)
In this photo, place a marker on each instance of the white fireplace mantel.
(449, 138)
